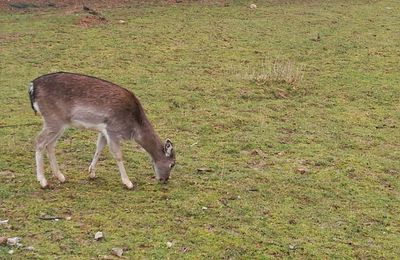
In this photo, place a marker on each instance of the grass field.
(304, 171)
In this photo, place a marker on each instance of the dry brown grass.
(277, 71)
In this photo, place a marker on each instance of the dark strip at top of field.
(18, 5)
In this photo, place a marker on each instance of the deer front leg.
(101, 142)
(116, 152)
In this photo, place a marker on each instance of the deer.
(65, 99)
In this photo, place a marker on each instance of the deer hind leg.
(116, 152)
(101, 142)
(47, 136)
(52, 158)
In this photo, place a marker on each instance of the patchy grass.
(313, 175)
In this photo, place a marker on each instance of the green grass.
(188, 65)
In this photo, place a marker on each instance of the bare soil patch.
(90, 20)
(29, 5)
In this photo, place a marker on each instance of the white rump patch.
(30, 88)
(31, 92)
(36, 106)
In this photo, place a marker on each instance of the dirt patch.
(31, 5)
(91, 9)
(8, 38)
(91, 15)
(90, 20)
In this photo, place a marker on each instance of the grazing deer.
(67, 99)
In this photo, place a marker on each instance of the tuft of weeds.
(278, 71)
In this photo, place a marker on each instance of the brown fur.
(66, 99)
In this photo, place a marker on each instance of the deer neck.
(149, 140)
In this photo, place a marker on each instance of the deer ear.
(168, 148)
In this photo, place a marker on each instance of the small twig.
(50, 218)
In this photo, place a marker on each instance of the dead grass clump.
(279, 71)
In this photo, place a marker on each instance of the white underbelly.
(88, 125)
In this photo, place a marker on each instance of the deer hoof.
(92, 173)
(44, 184)
(129, 185)
(60, 177)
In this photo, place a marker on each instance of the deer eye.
(172, 165)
